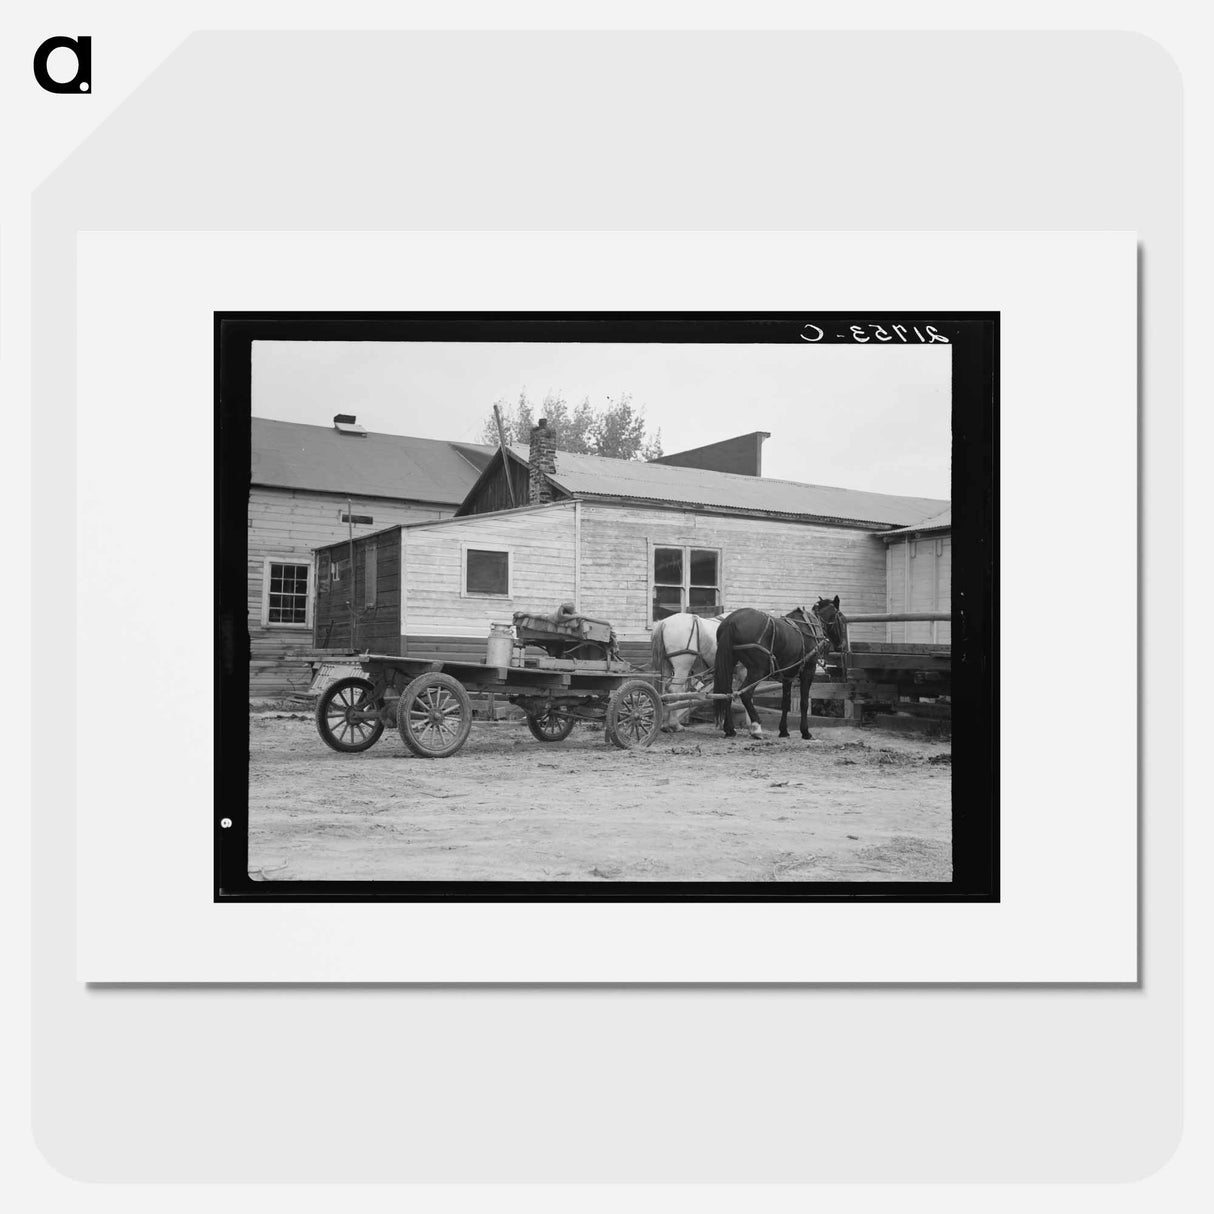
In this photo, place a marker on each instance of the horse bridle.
(837, 622)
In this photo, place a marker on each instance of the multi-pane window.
(287, 597)
(486, 571)
(685, 579)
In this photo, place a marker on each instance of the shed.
(435, 588)
(919, 577)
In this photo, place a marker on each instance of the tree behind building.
(617, 430)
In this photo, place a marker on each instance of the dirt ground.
(850, 805)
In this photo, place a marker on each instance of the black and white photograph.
(680, 680)
(612, 606)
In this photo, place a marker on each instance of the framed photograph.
(441, 724)
(264, 360)
(650, 606)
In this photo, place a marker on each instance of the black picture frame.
(974, 340)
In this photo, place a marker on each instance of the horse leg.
(756, 729)
(745, 696)
(671, 685)
(807, 680)
(680, 672)
(785, 701)
(730, 731)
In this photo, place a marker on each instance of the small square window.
(486, 572)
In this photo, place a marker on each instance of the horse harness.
(820, 648)
(694, 650)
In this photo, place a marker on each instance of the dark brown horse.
(774, 647)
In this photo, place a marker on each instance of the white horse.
(684, 647)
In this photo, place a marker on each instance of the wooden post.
(353, 618)
(501, 440)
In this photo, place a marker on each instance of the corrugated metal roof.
(935, 522)
(630, 479)
(477, 454)
(291, 455)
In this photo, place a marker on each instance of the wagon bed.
(427, 700)
(497, 678)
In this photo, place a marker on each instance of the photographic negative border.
(974, 339)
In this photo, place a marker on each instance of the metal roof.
(595, 476)
(291, 455)
(936, 522)
(478, 454)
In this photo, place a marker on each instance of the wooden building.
(625, 541)
(435, 588)
(918, 577)
(305, 479)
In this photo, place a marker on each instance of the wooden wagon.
(427, 699)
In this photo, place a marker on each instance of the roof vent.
(346, 423)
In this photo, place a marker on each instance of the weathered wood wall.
(494, 493)
(768, 564)
(919, 578)
(436, 617)
(287, 524)
(374, 594)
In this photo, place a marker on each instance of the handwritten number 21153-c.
(924, 334)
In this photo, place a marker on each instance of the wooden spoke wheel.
(634, 715)
(347, 718)
(434, 716)
(550, 726)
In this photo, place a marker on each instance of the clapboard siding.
(287, 524)
(543, 571)
(376, 625)
(769, 564)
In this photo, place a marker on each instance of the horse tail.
(722, 681)
(657, 652)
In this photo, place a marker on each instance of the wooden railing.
(895, 617)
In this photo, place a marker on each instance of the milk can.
(500, 645)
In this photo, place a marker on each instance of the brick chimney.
(542, 461)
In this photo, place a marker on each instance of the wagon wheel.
(550, 726)
(344, 717)
(634, 714)
(434, 716)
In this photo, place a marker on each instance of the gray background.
(609, 131)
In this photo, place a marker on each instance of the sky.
(856, 416)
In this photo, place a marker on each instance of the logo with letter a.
(82, 81)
